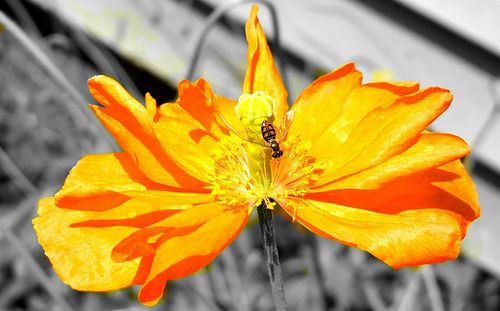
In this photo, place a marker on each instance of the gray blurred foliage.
(40, 142)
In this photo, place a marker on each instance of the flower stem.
(272, 257)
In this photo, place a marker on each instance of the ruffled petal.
(430, 150)
(382, 133)
(142, 209)
(176, 224)
(261, 74)
(321, 102)
(351, 108)
(185, 139)
(132, 126)
(446, 188)
(187, 144)
(407, 238)
(189, 129)
(198, 100)
(104, 201)
(101, 182)
(227, 114)
(81, 256)
(462, 188)
(180, 255)
(151, 106)
(113, 192)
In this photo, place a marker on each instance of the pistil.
(253, 110)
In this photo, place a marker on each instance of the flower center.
(237, 177)
(253, 110)
(230, 179)
(244, 171)
(296, 172)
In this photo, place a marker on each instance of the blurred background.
(49, 48)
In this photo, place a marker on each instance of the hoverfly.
(271, 139)
(269, 135)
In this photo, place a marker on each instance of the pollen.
(244, 174)
(296, 172)
(230, 179)
(234, 181)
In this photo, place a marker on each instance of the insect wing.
(268, 131)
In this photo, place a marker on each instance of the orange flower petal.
(447, 188)
(174, 111)
(81, 256)
(132, 127)
(84, 219)
(96, 182)
(198, 106)
(129, 214)
(194, 216)
(353, 104)
(186, 140)
(180, 256)
(408, 238)
(180, 200)
(321, 102)
(384, 133)
(136, 245)
(102, 182)
(188, 145)
(261, 74)
(183, 222)
(189, 129)
(143, 209)
(227, 115)
(151, 106)
(462, 187)
(199, 101)
(430, 150)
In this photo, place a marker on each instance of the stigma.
(252, 110)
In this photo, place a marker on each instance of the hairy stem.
(272, 257)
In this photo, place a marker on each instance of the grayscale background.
(148, 45)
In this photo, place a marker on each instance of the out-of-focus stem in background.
(78, 107)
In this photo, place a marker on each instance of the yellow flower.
(358, 167)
